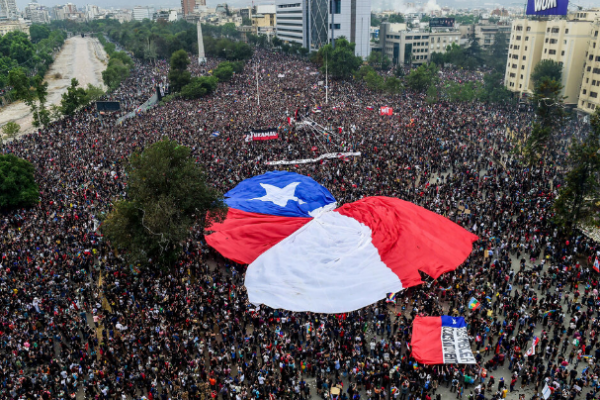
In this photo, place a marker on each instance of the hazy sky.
(376, 4)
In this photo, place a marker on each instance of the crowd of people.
(79, 322)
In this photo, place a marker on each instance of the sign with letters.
(547, 7)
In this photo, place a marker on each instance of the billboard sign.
(441, 23)
(547, 7)
(108, 105)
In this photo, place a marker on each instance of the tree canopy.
(167, 194)
(341, 61)
(17, 183)
(546, 69)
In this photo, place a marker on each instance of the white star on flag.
(280, 196)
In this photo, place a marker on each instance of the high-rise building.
(141, 13)
(564, 40)
(188, 6)
(314, 23)
(8, 9)
(589, 98)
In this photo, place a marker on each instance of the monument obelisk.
(201, 57)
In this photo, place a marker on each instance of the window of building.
(594, 94)
(584, 91)
(518, 37)
(528, 29)
(525, 48)
(522, 67)
(524, 57)
(555, 30)
(520, 85)
(597, 58)
(566, 31)
(552, 51)
(521, 76)
(593, 82)
(562, 53)
(334, 26)
(526, 38)
(335, 7)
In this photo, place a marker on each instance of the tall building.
(313, 23)
(187, 6)
(589, 99)
(8, 9)
(564, 40)
(141, 13)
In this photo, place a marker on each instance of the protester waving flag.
(596, 265)
(306, 255)
(474, 304)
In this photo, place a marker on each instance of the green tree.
(549, 69)
(17, 78)
(178, 75)
(493, 91)
(199, 86)
(393, 85)
(342, 63)
(497, 53)
(93, 93)
(396, 18)
(363, 71)
(9, 131)
(374, 81)
(579, 198)
(74, 98)
(378, 60)
(223, 73)
(550, 115)
(17, 183)
(180, 60)
(41, 116)
(38, 32)
(375, 21)
(167, 195)
(421, 78)
(246, 21)
(432, 94)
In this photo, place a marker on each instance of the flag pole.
(326, 81)
(257, 93)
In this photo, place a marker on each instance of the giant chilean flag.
(441, 340)
(304, 254)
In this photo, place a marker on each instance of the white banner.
(312, 160)
(546, 392)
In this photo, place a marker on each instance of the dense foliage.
(33, 56)
(167, 194)
(579, 198)
(119, 64)
(17, 183)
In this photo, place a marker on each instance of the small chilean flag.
(441, 340)
(596, 265)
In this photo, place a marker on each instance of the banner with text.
(263, 134)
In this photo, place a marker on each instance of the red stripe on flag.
(410, 238)
(244, 236)
(426, 340)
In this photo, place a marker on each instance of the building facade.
(589, 98)
(14, 25)
(563, 40)
(414, 47)
(187, 6)
(314, 23)
(141, 13)
(265, 19)
(485, 33)
(8, 10)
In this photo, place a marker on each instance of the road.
(81, 58)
